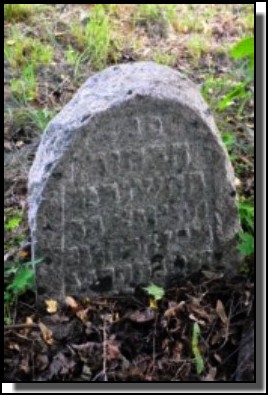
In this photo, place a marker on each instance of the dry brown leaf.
(41, 362)
(71, 302)
(171, 312)
(19, 144)
(248, 295)
(46, 333)
(52, 306)
(211, 374)
(142, 316)
(7, 145)
(24, 364)
(201, 312)
(210, 275)
(61, 365)
(14, 346)
(237, 182)
(116, 317)
(82, 315)
(23, 254)
(59, 318)
(217, 357)
(29, 321)
(113, 352)
(194, 318)
(221, 311)
(177, 351)
(165, 345)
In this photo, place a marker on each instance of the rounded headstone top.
(123, 82)
(131, 183)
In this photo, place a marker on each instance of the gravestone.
(131, 184)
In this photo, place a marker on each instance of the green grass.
(77, 31)
(148, 13)
(14, 13)
(246, 212)
(198, 45)
(98, 37)
(156, 18)
(25, 55)
(246, 237)
(75, 59)
(25, 89)
(41, 118)
(188, 21)
(248, 21)
(96, 41)
(113, 10)
(214, 87)
(17, 12)
(36, 119)
(19, 50)
(155, 13)
(168, 59)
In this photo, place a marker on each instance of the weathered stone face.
(130, 184)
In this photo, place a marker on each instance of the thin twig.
(21, 326)
(104, 350)
(226, 337)
(154, 337)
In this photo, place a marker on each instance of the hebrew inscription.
(135, 196)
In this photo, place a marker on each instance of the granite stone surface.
(131, 184)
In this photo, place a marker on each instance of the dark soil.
(123, 339)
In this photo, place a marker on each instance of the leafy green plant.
(246, 237)
(246, 212)
(199, 362)
(156, 292)
(11, 222)
(14, 229)
(243, 50)
(246, 244)
(229, 140)
(18, 278)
